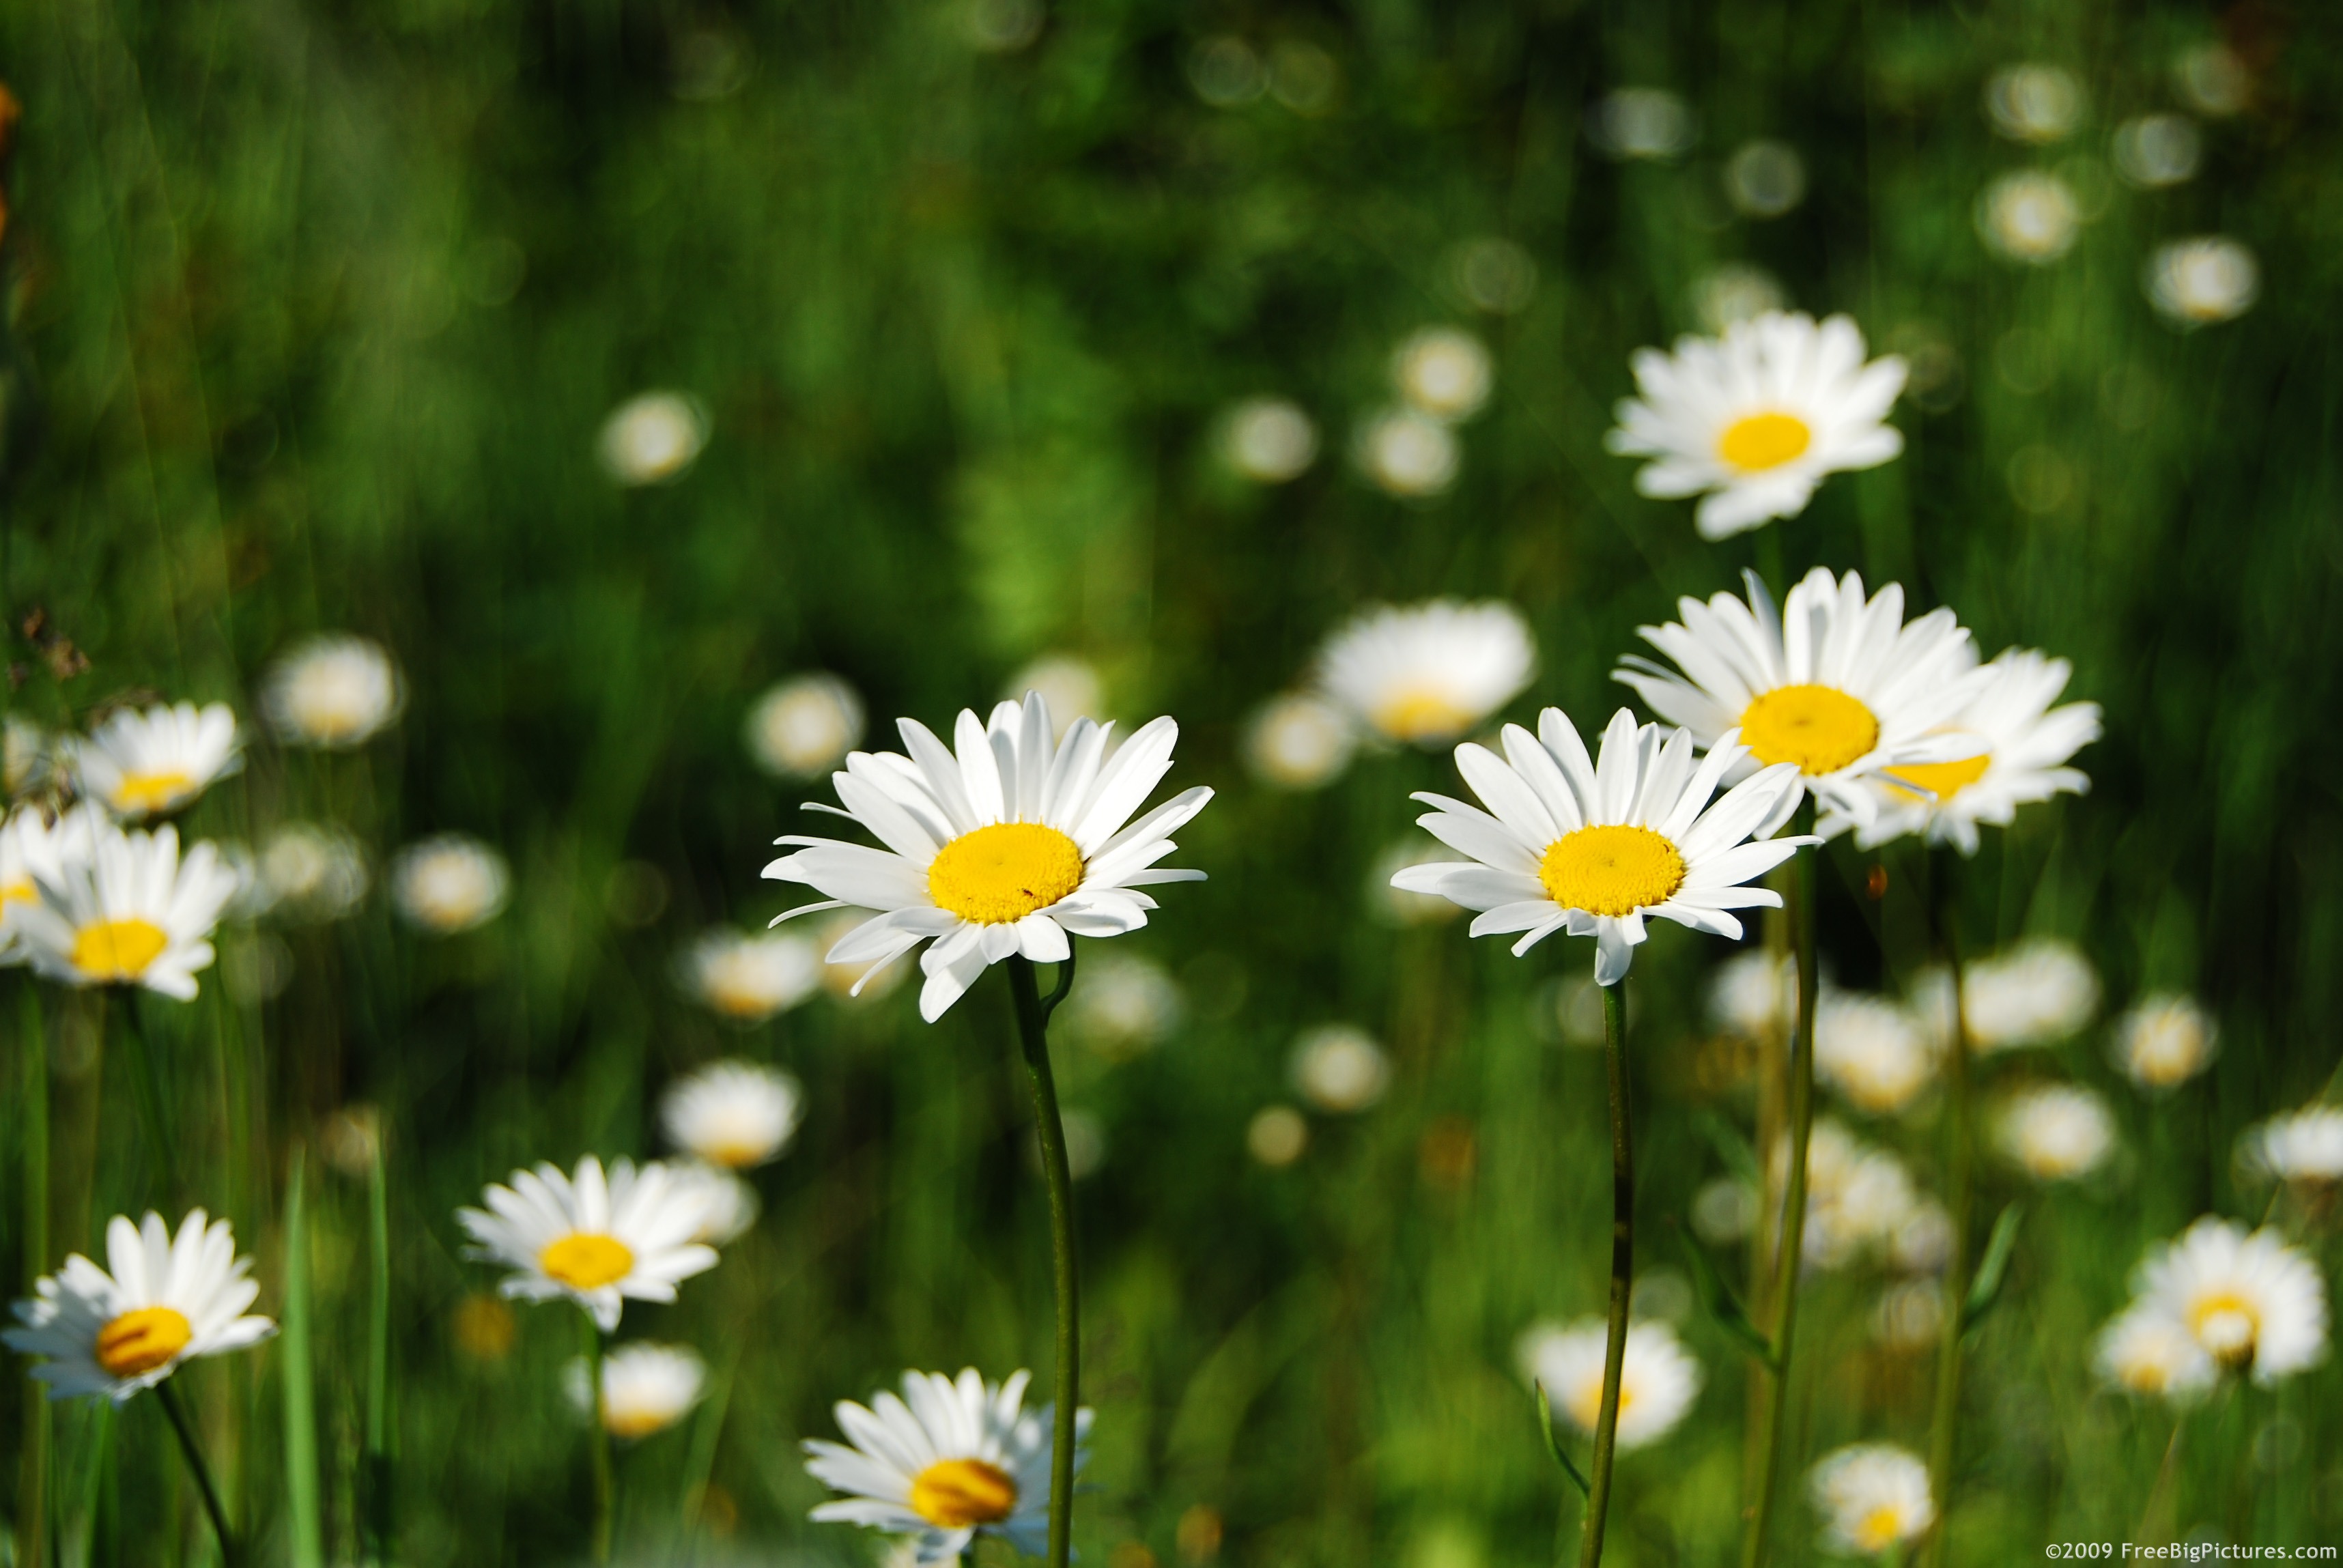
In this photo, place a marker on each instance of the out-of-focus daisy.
(2026, 743)
(1442, 373)
(860, 984)
(1269, 440)
(2165, 1040)
(2145, 1350)
(1909, 1314)
(2158, 150)
(645, 1388)
(2037, 992)
(729, 1206)
(32, 849)
(1493, 274)
(1592, 846)
(1873, 1497)
(1755, 420)
(805, 726)
(750, 979)
(1870, 1050)
(1426, 674)
(1765, 178)
(653, 438)
(332, 691)
(1299, 741)
(1754, 994)
(2304, 1147)
(2058, 1132)
(311, 872)
(1658, 1379)
(1840, 686)
(1922, 1243)
(1014, 845)
(1638, 122)
(166, 1301)
(1407, 453)
(1724, 1210)
(1125, 1005)
(1724, 296)
(143, 764)
(950, 1460)
(2255, 1304)
(736, 1114)
(1339, 1069)
(597, 1239)
(2034, 102)
(450, 882)
(1070, 686)
(2197, 282)
(2212, 80)
(2030, 216)
(124, 909)
(1397, 905)
(1859, 1198)
(1277, 1135)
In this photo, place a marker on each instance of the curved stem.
(1794, 1197)
(605, 1487)
(1960, 1170)
(1623, 1271)
(1034, 1034)
(194, 1455)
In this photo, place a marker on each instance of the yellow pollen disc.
(149, 791)
(1004, 872)
(1416, 714)
(20, 891)
(117, 950)
(1757, 442)
(955, 1494)
(1879, 1529)
(1611, 870)
(740, 1000)
(634, 1423)
(1819, 727)
(137, 1343)
(2226, 1324)
(586, 1261)
(734, 1153)
(1587, 1408)
(1945, 778)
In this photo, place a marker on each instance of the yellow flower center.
(1611, 870)
(734, 1153)
(1819, 727)
(140, 792)
(1004, 872)
(738, 997)
(1418, 714)
(20, 891)
(634, 1423)
(2226, 1324)
(137, 1343)
(586, 1261)
(117, 950)
(1945, 780)
(955, 1494)
(1586, 1410)
(1878, 1530)
(1757, 442)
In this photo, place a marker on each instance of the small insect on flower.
(1754, 422)
(736, 1114)
(2254, 1304)
(1873, 1497)
(1426, 675)
(645, 1388)
(448, 883)
(597, 1240)
(2058, 1132)
(1014, 845)
(152, 763)
(750, 979)
(1658, 1380)
(805, 726)
(332, 691)
(1570, 843)
(2165, 1040)
(122, 908)
(949, 1460)
(166, 1300)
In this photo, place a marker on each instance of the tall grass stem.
(1033, 1034)
(304, 1511)
(168, 1392)
(380, 1493)
(1623, 1271)
(1960, 1169)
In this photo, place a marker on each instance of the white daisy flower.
(1339, 1069)
(948, 1462)
(1839, 685)
(729, 1206)
(33, 849)
(448, 883)
(1922, 1243)
(1909, 1315)
(2034, 102)
(314, 873)
(2144, 1351)
(1426, 674)
(139, 764)
(2197, 282)
(2304, 1146)
(2165, 1040)
(2026, 743)
(332, 691)
(2158, 150)
(2058, 1132)
(2030, 216)
(1658, 1379)
(1871, 1052)
(597, 1240)
(1755, 420)
(1592, 846)
(1873, 1496)
(2254, 1303)
(1269, 440)
(2037, 992)
(168, 1300)
(1012, 846)
(750, 979)
(123, 909)
(805, 726)
(1754, 994)
(652, 437)
(1859, 1198)
(1124, 1006)
(1299, 741)
(1407, 453)
(1442, 373)
(645, 1388)
(736, 1114)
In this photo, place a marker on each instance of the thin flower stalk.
(1960, 1167)
(231, 1552)
(1033, 1012)
(1623, 1271)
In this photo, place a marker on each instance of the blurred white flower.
(805, 726)
(142, 764)
(332, 691)
(450, 882)
(1339, 1069)
(34, 850)
(1658, 1379)
(1124, 1005)
(1276, 1136)
(1427, 674)
(1874, 1498)
(1299, 741)
(1910, 1314)
(2038, 991)
(1724, 1210)
(1398, 906)
(1493, 274)
(1765, 178)
(2197, 282)
(2058, 1132)
(1269, 439)
(727, 1205)
(1226, 72)
(2165, 1040)
(1442, 373)
(2253, 1303)
(1922, 1243)
(1407, 454)
(750, 979)
(1858, 1197)
(652, 439)
(2304, 1146)
(1070, 686)
(846, 981)
(735, 1114)
(2030, 216)
(31, 754)
(312, 873)
(1871, 1052)
(2144, 1351)
(2158, 150)
(2213, 81)
(1754, 994)
(1736, 292)
(645, 1388)
(2034, 102)
(1642, 122)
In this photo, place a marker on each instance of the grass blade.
(302, 1502)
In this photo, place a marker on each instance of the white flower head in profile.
(1008, 843)
(1269, 440)
(2030, 216)
(750, 979)
(1754, 994)
(124, 908)
(2034, 102)
(2303, 1147)
(729, 1206)
(597, 1239)
(2201, 281)
(1873, 1498)
(164, 1301)
(1871, 1052)
(2058, 1132)
(2037, 990)
(1754, 422)
(645, 1388)
(309, 872)
(1409, 454)
(949, 1460)
(1443, 373)
(2165, 1040)
(1859, 1197)
(735, 1114)
(1570, 843)
(1299, 741)
(805, 726)
(152, 763)
(1427, 674)
(652, 439)
(332, 691)
(448, 883)
(1339, 1068)
(2145, 1350)
(2256, 1305)
(1658, 1379)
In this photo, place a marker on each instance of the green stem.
(379, 1493)
(1961, 1177)
(605, 1484)
(33, 1465)
(1623, 1271)
(147, 1088)
(305, 1516)
(1792, 1246)
(168, 1394)
(1033, 1034)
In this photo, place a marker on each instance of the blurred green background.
(315, 311)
